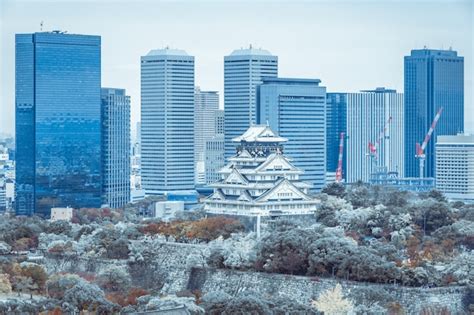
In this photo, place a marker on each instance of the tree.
(326, 213)
(359, 195)
(118, 249)
(332, 302)
(284, 252)
(5, 285)
(430, 215)
(5, 248)
(58, 284)
(114, 278)
(36, 273)
(335, 189)
(25, 284)
(88, 296)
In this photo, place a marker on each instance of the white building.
(455, 166)
(166, 210)
(259, 180)
(64, 214)
(367, 114)
(206, 106)
(167, 121)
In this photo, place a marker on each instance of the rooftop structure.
(259, 180)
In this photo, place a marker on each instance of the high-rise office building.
(243, 71)
(206, 104)
(214, 154)
(219, 121)
(455, 166)
(58, 138)
(367, 114)
(296, 109)
(433, 79)
(167, 120)
(115, 147)
(214, 158)
(336, 122)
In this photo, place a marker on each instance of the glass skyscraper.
(116, 146)
(167, 121)
(433, 79)
(58, 137)
(243, 71)
(367, 114)
(296, 109)
(206, 107)
(336, 113)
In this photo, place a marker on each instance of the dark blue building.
(296, 109)
(433, 79)
(336, 122)
(58, 131)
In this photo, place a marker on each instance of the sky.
(349, 45)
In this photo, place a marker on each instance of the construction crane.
(339, 160)
(373, 147)
(420, 149)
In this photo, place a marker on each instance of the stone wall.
(172, 258)
(304, 289)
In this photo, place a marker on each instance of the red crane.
(373, 147)
(420, 149)
(339, 160)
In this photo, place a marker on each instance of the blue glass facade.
(296, 109)
(433, 79)
(336, 122)
(115, 147)
(57, 122)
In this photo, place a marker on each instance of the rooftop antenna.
(41, 26)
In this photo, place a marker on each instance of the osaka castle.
(259, 180)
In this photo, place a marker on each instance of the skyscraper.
(58, 138)
(243, 71)
(167, 120)
(454, 166)
(214, 154)
(336, 122)
(433, 79)
(214, 158)
(115, 147)
(367, 114)
(296, 109)
(206, 104)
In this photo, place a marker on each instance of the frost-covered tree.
(59, 283)
(237, 252)
(332, 302)
(114, 278)
(334, 189)
(5, 285)
(461, 269)
(88, 296)
(5, 248)
(330, 205)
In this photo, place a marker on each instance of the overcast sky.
(349, 45)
